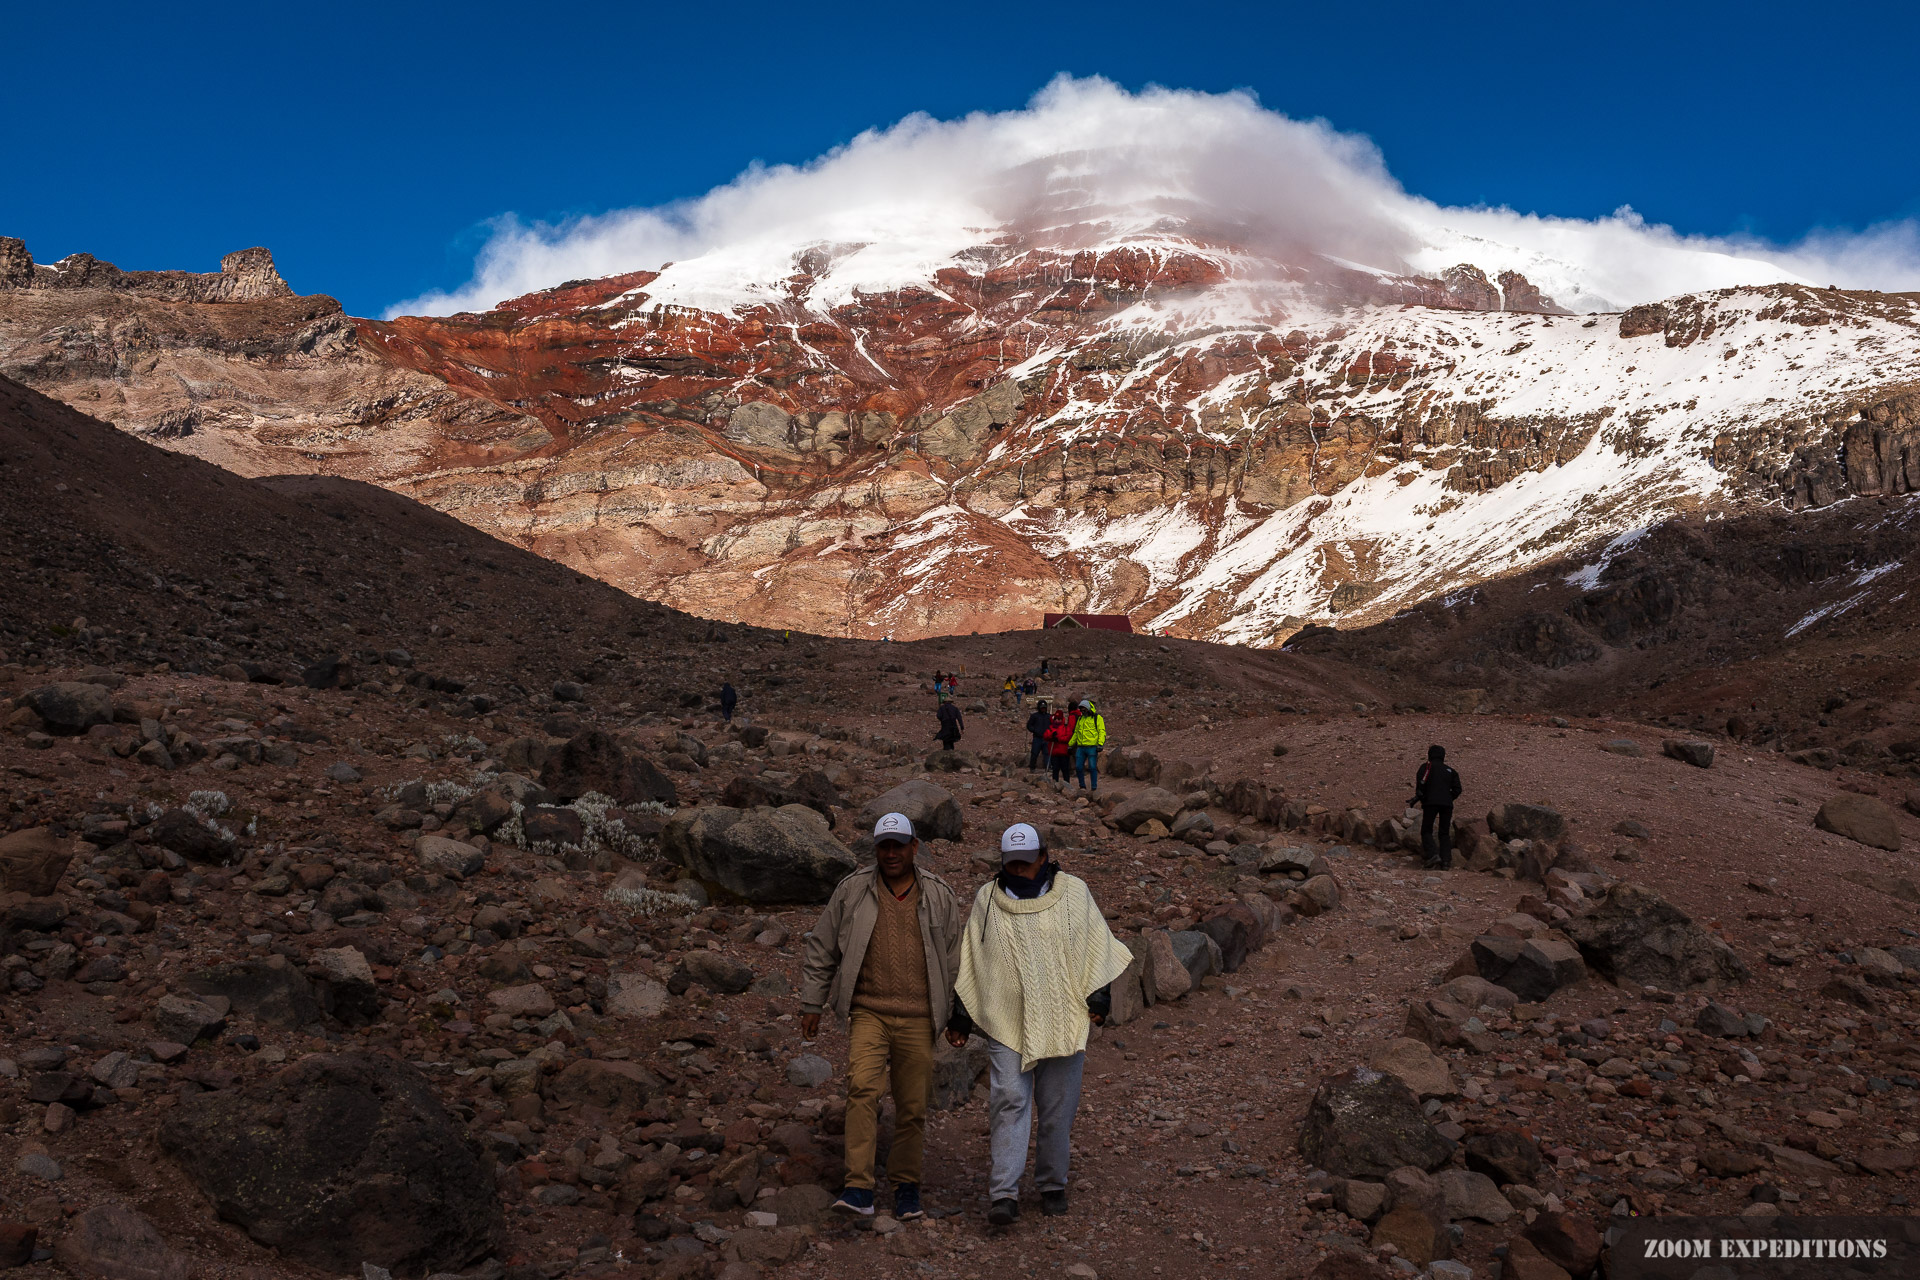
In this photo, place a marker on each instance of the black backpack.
(1439, 785)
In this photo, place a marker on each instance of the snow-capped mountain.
(1090, 410)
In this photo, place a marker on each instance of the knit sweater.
(893, 977)
(1028, 966)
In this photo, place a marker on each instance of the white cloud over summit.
(1087, 162)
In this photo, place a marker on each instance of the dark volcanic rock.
(759, 855)
(1527, 822)
(1504, 1156)
(1635, 935)
(595, 761)
(268, 990)
(750, 791)
(192, 839)
(338, 1160)
(70, 706)
(1364, 1124)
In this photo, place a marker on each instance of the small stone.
(529, 1001)
(1718, 1020)
(37, 1164)
(116, 1071)
(450, 858)
(343, 772)
(1690, 751)
(809, 1071)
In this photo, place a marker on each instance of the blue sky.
(368, 145)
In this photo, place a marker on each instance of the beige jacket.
(837, 943)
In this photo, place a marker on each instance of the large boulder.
(1197, 952)
(1149, 804)
(762, 856)
(1527, 822)
(1162, 976)
(812, 789)
(268, 990)
(1860, 818)
(1635, 935)
(32, 861)
(1532, 969)
(1236, 931)
(595, 761)
(931, 808)
(70, 706)
(1366, 1124)
(340, 1160)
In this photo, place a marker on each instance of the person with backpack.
(1435, 787)
(1088, 736)
(728, 700)
(952, 725)
(1037, 725)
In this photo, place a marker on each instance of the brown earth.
(158, 575)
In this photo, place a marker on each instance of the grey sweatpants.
(1053, 1089)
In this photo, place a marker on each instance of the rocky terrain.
(381, 898)
(1225, 445)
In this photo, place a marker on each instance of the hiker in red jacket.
(1057, 753)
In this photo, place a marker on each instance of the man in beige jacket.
(883, 955)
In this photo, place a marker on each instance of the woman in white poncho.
(1036, 961)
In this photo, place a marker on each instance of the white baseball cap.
(893, 826)
(1020, 842)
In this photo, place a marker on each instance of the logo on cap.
(1020, 838)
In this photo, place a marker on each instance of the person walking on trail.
(1006, 692)
(1037, 724)
(728, 700)
(1088, 736)
(952, 725)
(1037, 963)
(1058, 731)
(883, 956)
(1435, 787)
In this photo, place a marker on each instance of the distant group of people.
(1029, 968)
(1017, 690)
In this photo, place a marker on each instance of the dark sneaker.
(906, 1201)
(1004, 1213)
(856, 1200)
(1053, 1203)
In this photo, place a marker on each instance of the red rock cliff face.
(1220, 447)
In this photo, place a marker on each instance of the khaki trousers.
(885, 1050)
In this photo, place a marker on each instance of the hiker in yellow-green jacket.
(1089, 735)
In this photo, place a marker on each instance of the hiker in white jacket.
(1036, 963)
